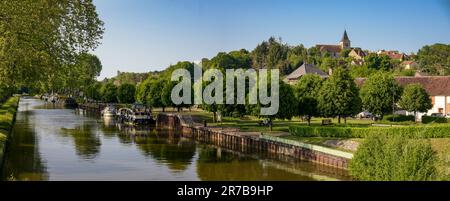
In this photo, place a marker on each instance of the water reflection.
(53, 143)
(87, 143)
(23, 160)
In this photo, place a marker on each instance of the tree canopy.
(415, 99)
(339, 95)
(380, 93)
(42, 40)
(435, 59)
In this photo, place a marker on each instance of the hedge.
(432, 131)
(398, 118)
(428, 119)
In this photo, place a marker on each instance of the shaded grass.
(7, 112)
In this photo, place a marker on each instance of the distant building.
(358, 56)
(357, 53)
(335, 50)
(394, 55)
(303, 70)
(438, 87)
(409, 65)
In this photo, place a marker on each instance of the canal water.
(52, 143)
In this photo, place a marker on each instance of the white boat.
(109, 111)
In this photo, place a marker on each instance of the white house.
(438, 87)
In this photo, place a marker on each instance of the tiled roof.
(329, 48)
(394, 55)
(305, 69)
(434, 85)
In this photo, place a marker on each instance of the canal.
(53, 143)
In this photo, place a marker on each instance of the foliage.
(378, 62)
(153, 97)
(339, 95)
(93, 91)
(398, 118)
(42, 40)
(361, 71)
(415, 99)
(429, 131)
(109, 93)
(379, 93)
(125, 93)
(394, 158)
(306, 91)
(429, 119)
(434, 59)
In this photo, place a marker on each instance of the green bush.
(398, 118)
(428, 119)
(431, 131)
(394, 158)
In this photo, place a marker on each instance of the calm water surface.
(53, 143)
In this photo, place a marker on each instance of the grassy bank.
(7, 113)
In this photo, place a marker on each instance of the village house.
(358, 56)
(395, 55)
(407, 65)
(438, 87)
(303, 70)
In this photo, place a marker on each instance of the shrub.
(428, 119)
(394, 158)
(432, 131)
(398, 118)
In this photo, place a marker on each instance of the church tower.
(345, 42)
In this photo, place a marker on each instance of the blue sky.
(147, 35)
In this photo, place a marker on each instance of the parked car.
(364, 114)
(448, 115)
(437, 115)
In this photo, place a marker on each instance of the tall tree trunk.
(309, 120)
(214, 117)
(339, 119)
(163, 108)
(270, 123)
(345, 120)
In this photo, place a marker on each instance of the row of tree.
(312, 96)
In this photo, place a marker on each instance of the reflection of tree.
(177, 153)
(87, 144)
(23, 161)
(217, 165)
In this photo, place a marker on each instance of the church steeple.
(345, 42)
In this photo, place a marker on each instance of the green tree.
(394, 158)
(109, 93)
(434, 59)
(287, 103)
(415, 99)
(339, 96)
(93, 91)
(379, 62)
(153, 96)
(166, 95)
(41, 39)
(125, 93)
(379, 93)
(306, 91)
